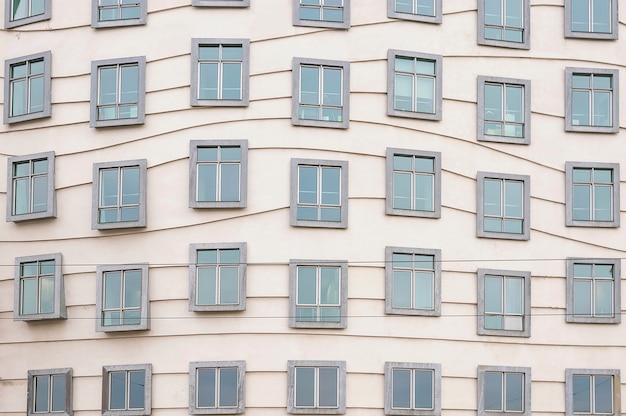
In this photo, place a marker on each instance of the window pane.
(208, 81)
(603, 271)
(423, 389)
(514, 104)
(602, 17)
(514, 392)
(404, 64)
(207, 182)
(423, 290)
(309, 85)
(514, 295)
(232, 154)
(582, 297)
(108, 86)
(229, 285)
(309, 13)
(603, 388)
(583, 270)
(402, 260)
(231, 81)
(228, 387)
(583, 175)
(229, 185)
(581, 392)
(493, 12)
(333, 15)
(130, 84)
(112, 290)
(307, 185)
(330, 185)
(580, 108)
(36, 94)
(493, 391)
(402, 190)
(580, 15)
(404, 6)
(329, 286)
(425, 95)
(37, 7)
(209, 52)
(401, 289)
(514, 13)
(42, 388)
(401, 389)
(232, 52)
(403, 94)
(603, 298)
(205, 388)
(602, 204)
(424, 262)
(136, 393)
(493, 294)
(581, 81)
(492, 197)
(46, 295)
(581, 202)
(130, 12)
(493, 102)
(307, 286)
(108, 187)
(426, 7)
(18, 98)
(424, 192)
(21, 202)
(603, 176)
(328, 387)
(20, 9)
(130, 186)
(424, 164)
(601, 108)
(207, 282)
(207, 256)
(513, 202)
(117, 390)
(40, 193)
(305, 387)
(332, 86)
(132, 289)
(423, 66)
(58, 393)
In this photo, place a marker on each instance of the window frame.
(570, 317)
(67, 372)
(297, 21)
(480, 199)
(9, 24)
(569, 195)
(220, 3)
(147, 399)
(436, 388)
(393, 14)
(60, 310)
(569, 388)
(46, 93)
(480, 133)
(569, 73)
(101, 24)
(51, 211)
(144, 319)
(505, 43)
(614, 20)
(341, 385)
(217, 410)
(482, 369)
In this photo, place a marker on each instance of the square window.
(216, 387)
(503, 206)
(127, 390)
(593, 291)
(591, 19)
(503, 303)
(30, 188)
(426, 11)
(414, 85)
(504, 23)
(115, 13)
(503, 390)
(119, 195)
(412, 281)
(39, 292)
(50, 392)
(118, 89)
(27, 87)
(220, 3)
(220, 72)
(322, 13)
(316, 387)
(218, 173)
(592, 194)
(591, 100)
(22, 12)
(503, 110)
(217, 277)
(319, 193)
(321, 93)
(412, 389)
(318, 295)
(122, 298)
(592, 392)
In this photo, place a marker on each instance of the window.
(592, 392)
(503, 206)
(122, 299)
(318, 294)
(22, 12)
(322, 13)
(220, 72)
(414, 85)
(413, 183)
(217, 277)
(321, 93)
(27, 87)
(591, 101)
(593, 291)
(220, 3)
(317, 387)
(118, 89)
(503, 303)
(113, 13)
(427, 11)
(30, 188)
(216, 387)
(592, 194)
(127, 390)
(412, 281)
(503, 110)
(504, 23)
(319, 193)
(50, 392)
(592, 19)
(503, 390)
(412, 389)
(39, 291)
(119, 195)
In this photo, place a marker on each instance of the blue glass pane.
(108, 86)
(493, 102)
(404, 6)
(307, 286)
(328, 387)
(401, 385)
(513, 199)
(207, 286)
(117, 390)
(208, 81)
(40, 194)
(305, 387)
(205, 387)
(514, 392)
(58, 393)
(582, 297)
(42, 388)
(581, 202)
(402, 190)
(401, 289)
(112, 290)
(424, 192)
(330, 186)
(228, 387)
(403, 94)
(493, 12)
(493, 391)
(36, 95)
(136, 390)
(514, 16)
(581, 393)
(329, 286)
(603, 388)
(207, 256)
(307, 185)
(18, 98)
(602, 203)
(602, 108)
(229, 182)
(493, 294)
(601, 19)
(309, 85)
(426, 7)
(423, 387)
(108, 187)
(130, 186)
(232, 52)
(423, 291)
(130, 84)
(492, 197)
(229, 285)
(231, 81)
(332, 86)
(580, 15)
(207, 182)
(132, 288)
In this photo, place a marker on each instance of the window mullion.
(316, 390)
(39, 282)
(320, 83)
(220, 71)
(118, 90)
(120, 187)
(218, 374)
(318, 292)
(319, 187)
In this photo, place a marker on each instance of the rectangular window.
(39, 288)
(592, 194)
(503, 303)
(322, 13)
(427, 11)
(504, 390)
(50, 392)
(591, 19)
(317, 387)
(27, 87)
(220, 3)
(503, 206)
(30, 187)
(217, 387)
(412, 389)
(592, 392)
(592, 100)
(593, 291)
(114, 13)
(122, 300)
(127, 390)
(504, 23)
(22, 12)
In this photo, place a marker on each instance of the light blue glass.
(404, 6)
(207, 256)
(424, 164)
(229, 185)
(21, 169)
(514, 12)
(205, 385)
(22, 197)
(20, 9)
(423, 389)
(582, 297)
(58, 392)
(208, 81)
(330, 186)
(209, 52)
(602, 108)
(231, 81)
(514, 104)
(401, 190)
(492, 197)
(332, 86)
(209, 154)
(514, 35)
(307, 213)
(581, 393)
(307, 286)
(603, 271)
(229, 285)
(426, 7)
(329, 286)
(423, 291)
(130, 185)
(493, 102)
(307, 185)
(601, 17)
(581, 81)
(424, 67)
(425, 96)
(580, 15)
(584, 270)
(117, 390)
(424, 262)
(18, 97)
(602, 203)
(132, 289)
(493, 294)
(493, 391)
(403, 94)
(424, 192)
(108, 14)
(602, 82)
(108, 187)
(228, 387)
(514, 392)
(583, 175)
(513, 201)
(129, 83)
(401, 289)
(130, 12)
(581, 202)
(493, 12)
(39, 166)
(332, 15)
(310, 13)
(309, 85)
(207, 286)
(29, 297)
(603, 389)
(402, 260)
(305, 387)
(514, 295)
(131, 317)
(328, 387)
(330, 314)
(136, 390)
(108, 86)
(229, 256)
(37, 7)
(232, 52)
(207, 182)
(129, 214)
(42, 389)
(46, 295)
(404, 64)
(112, 290)
(603, 302)
(36, 94)
(401, 392)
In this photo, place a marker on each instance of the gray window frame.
(569, 195)
(217, 410)
(95, 195)
(614, 128)
(482, 369)
(480, 199)
(141, 92)
(60, 310)
(144, 320)
(569, 389)
(504, 43)
(294, 186)
(345, 93)
(101, 24)
(345, 24)
(245, 73)
(51, 211)
(47, 83)
(481, 330)
(436, 387)
(391, 85)
(9, 24)
(480, 133)
(341, 385)
(220, 3)
(617, 307)
(393, 14)
(569, 33)
(107, 369)
(193, 173)
(67, 372)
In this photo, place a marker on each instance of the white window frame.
(292, 365)
(147, 401)
(32, 391)
(59, 310)
(50, 211)
(194, 409)
(46, 58)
